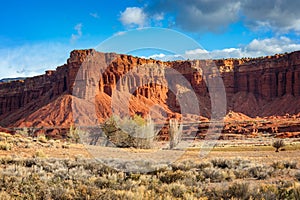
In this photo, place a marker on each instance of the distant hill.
(6, 80)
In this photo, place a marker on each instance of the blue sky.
(38, 35)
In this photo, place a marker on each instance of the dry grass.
(53, 178)
(49, 170)
(27, 147)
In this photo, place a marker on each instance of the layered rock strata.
(255, 87)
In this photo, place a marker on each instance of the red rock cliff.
(256, 87)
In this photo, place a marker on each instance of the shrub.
(5, 195)
(241, 173)
(170, 176)
(184, 166)
(290, 164)
(278, 165)
(296, 192)
(40, 154)
(103, 183)
(213, 174)
(203, 165)
(42, 139)
(178, 190)
(278, 144)
(28, 145)
(5, 146)
(74, 134)
(61, 193)
(4, 136)
(24, 132)
(222, 163)
(258, 172)
(297, 176)
(65, 146)
(266, 192)
(130, 132)
(239, 191)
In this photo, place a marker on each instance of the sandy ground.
(257, 151)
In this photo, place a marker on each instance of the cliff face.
(268, 86)
(256, 87)
(16, 94)
(20, 99)
(271, 77)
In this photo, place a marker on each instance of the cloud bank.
(215, 16)
(255, 48)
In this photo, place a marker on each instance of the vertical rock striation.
(256, 87)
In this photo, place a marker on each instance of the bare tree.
(175, 133)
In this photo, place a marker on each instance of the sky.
(38, 35)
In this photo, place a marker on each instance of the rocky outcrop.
(256, 87)
(17, 94)
(19, 99)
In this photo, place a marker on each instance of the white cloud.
(165, 57)
(204, 54)
(271, 46)
(31, 60)
(133, 16)
(196, 51)
(161, 55)
(255, 48)
(120, 33)
(78, 29)
(95, 15)
(158, 16)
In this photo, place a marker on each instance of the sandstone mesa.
(258, 87)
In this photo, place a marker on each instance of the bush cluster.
(50, 178)
(130, 132)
